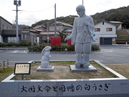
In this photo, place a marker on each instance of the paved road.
(117, 54)
(109, 54)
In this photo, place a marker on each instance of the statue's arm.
(90, 25)
(73, 34)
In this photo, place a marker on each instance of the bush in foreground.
(62, 47)
(21, 43)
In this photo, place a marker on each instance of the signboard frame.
(26, 70)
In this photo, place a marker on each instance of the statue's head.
(80, 10)
(46, 49)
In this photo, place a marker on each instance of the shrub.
(44, 45)
(95, 47)
(11, 44)
(3, 44)
(63, 47)
(37, 48)
(24, 43)
(70, 48)
(56, 48)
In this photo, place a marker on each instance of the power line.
(38, 10)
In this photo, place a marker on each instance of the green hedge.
(95, 47)
(24, 43)
(3, 44)
(38, 48)
(21, 43)
(63, 47)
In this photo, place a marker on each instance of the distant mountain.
(68, 19)
(121, 14)
(21, 26)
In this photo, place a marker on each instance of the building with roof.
(118, 24)
(105, 32)
(45, 32)
(4, 25)
(8, 34)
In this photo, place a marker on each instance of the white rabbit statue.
(46, 57)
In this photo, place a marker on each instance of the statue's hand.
(86, 23)
(67, 38)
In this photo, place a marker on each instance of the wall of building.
(103, 28)
(1, 39)
(103, 33)
(58, 28)
(4, 25)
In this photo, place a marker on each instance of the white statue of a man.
(81, 37)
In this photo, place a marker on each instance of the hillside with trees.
(120, 14)
(68, 19)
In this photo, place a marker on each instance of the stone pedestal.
(45, 69)
(90, 68)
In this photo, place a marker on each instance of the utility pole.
(17, 3)
(55, 19)
(82, 2)
(48, 32)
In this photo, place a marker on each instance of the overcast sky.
(33, 11)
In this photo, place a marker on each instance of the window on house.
(23, 37)
(97, 29)
(11, 39)
(108, 29)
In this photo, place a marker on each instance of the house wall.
(58, 28)
(1, 39)
(4, 25)
(103, 33)
(103, 28)
(25, 35)
(119, 27)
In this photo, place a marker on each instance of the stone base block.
(90, 68)
(45, 69)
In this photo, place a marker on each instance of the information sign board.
(22, 68)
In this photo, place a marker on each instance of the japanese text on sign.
(22, 68)
(62, 88)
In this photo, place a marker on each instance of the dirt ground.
(123, 69)
(62, 71)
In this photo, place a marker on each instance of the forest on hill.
(120, 14)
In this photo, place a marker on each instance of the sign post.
(22, 69)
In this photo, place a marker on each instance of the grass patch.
(6, 72)
(62, 71)
(122, 35)
(123, 69)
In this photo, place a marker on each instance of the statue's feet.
(77, 65)
(49, 66)
(46, 66)
(86, 65)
